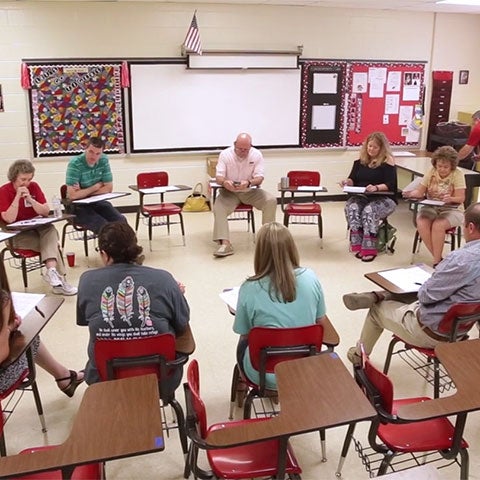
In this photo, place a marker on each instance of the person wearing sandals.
(281, 293)
(415, 317)
(374, 170)
(67, 380)
(125, 299)
(445, 183)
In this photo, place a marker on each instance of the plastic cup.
(71, 259)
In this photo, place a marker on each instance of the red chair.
(74, 230)
(128, 358)
(26, 382)
(450, 235)
(391, 436)
(247, 461)
(22, 259)
(267, 348)
(455, 325)
(157, 214)
(302, 213)
(244, 212)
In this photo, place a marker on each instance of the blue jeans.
(95, 215)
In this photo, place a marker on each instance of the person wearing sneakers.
(23, 199)
(239, 168)
(67, 380)
(454, 280)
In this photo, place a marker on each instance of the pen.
(40, 312)
(418, 283)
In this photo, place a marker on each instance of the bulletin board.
(384, 96)
(70, 102)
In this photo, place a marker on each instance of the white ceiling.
(405, 5)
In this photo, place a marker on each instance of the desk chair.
(302, 213)
(246, 461)
(455, 325)
(244, 212)
(390, 436)
(26, 382)
(450, 235)
(21, 259)
(74, 230)
(157, 215)
(141, 356)
(267, 348)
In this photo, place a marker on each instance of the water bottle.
(56, 207)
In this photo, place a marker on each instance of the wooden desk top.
(462, 362)
(116, 419)
(382, 282)
(31, 326)
(185, 343)
(314, 392)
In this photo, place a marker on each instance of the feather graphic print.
(143, 299)
(107, 306)
(125, 299)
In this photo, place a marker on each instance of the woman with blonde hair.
(281, 293)
(374, 170)
(444, 183)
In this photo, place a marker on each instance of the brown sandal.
(69, 390)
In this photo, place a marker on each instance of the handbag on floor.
(196, 201)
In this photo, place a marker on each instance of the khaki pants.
(43, 239)
(226, 203)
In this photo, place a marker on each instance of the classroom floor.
(205, 277)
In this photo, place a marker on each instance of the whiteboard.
(174, 108)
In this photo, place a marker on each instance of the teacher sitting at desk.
(455, 280)
(67, 380)
(90, 174)
(374, 170)
(126, 300)
(239, 168)
(281, 294)
(444, 183)
(22, 199)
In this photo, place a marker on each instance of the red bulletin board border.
(365, 114)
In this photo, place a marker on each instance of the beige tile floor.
(205, 277)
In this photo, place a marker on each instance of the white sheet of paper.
(325, 82)
(394, 80)
(230, 297)
(168, 188)
(403, 153)
(323, 117)
(359, 82)
(99, 198)
(32, 221)
(392, 103)
(310, 189)
(411, 93)
(349, 189)
(405, 114)
(408, 279)
(6, 235)
(436, 203)
(413, 184)
(25, 302)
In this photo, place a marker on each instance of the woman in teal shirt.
(281, 293)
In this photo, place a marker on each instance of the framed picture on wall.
(463, 77)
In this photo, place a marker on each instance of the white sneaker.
(224, 250)
(52, 277)
(65, 289)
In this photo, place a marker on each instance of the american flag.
(192, 40)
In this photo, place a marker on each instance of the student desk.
(314, 392)
(116, 419)
(35, 222)
(99, 198)
(418, 166)
(391, 287)
(185, 343)
(461, 360)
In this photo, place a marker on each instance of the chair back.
(63, 192)
(298, 178)
(195, 406)
(141, 356)
(459, 319)
(152, 179)
(270, 346)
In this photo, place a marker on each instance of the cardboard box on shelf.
(212, 166)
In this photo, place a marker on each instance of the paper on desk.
(310, 189)
(166, 188)
(32, 221)
(349, 189)
(413, 185)
(25, 302)
(230, 297)
(6, 235)
(403, 153)
(408, 279)
(436, 203)
(99, 198)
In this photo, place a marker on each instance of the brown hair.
(96, 142)
(384, 154)
(18, 167)
(119, 242)
(445, 153)
(276, 257)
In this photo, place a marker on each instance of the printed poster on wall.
(73, 102)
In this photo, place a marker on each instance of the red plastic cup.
(71, 259)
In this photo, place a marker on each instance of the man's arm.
(465, 151)
(74, 192)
